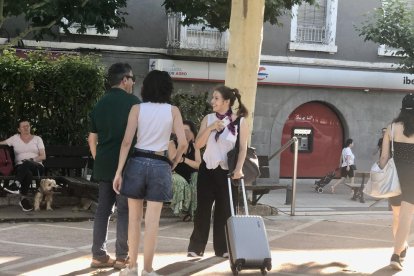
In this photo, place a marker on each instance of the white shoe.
(129, 272)
(152, 273)
(192, 254)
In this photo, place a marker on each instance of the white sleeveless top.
(216, 151)
(155, 123)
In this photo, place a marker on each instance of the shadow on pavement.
(190, 267)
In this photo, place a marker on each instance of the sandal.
(103, 262)
(121, 263)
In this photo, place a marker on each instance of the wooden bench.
(358, 188)
(68, 165)
(259, 190)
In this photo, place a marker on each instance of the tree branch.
(26, 32)
(39, 5)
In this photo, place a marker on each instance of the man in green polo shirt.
(108, 121)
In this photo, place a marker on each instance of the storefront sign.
(290, 75)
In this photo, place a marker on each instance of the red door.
(320, 134)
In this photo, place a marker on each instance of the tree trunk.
(246, 34)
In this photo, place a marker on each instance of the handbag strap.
(237, 123)
(392, 140)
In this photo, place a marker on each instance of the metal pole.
(295, 168)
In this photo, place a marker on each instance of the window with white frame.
(313, 27)
(385, 50)
(196, 36)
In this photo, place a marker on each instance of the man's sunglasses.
(130, 77)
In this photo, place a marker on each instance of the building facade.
(318, 80)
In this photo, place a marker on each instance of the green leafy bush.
(54, 93)
(192, 107)
(57, 93)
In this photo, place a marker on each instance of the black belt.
(152, 155)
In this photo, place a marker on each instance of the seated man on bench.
(29, 152)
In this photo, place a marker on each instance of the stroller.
(319, 184)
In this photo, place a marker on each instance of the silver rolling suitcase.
(247, 239)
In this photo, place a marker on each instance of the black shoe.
(14, 188)
(25, 204)
(403, 254)
(395, 262)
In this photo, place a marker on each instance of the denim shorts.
(147, 178)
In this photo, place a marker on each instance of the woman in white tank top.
(219, 134)
(147, 174)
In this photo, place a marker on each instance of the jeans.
(147, 178)
(106, 201)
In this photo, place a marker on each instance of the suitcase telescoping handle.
(241, 180)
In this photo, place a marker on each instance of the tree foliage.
(216, 13)
(392, 25)
(192, 107)
(54, 93)
(42, 15)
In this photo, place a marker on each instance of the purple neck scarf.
(229, 126)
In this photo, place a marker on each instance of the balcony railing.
(311, 34)
(194, 37)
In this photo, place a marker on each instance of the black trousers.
(25, 172)
(211, 187)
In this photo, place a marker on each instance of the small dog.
(45, 191)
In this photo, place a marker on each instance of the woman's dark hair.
(348, 142)
(406, 117)
(21, 120)
(192, 126)
(157, 87)
(232, 94)
(117, 72)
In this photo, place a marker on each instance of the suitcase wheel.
(234, 270)
(238, 266)
(263, 271)
(268, 264)
(320, 190)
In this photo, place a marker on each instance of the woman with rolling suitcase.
(219, 134)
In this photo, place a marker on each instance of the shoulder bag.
(250, 168)
(6, 160)
(384, 183)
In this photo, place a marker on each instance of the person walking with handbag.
(218, 133)
(402, 205)
(347, 164)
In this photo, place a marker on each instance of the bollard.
(289, 193)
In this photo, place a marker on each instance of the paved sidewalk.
(329, 235)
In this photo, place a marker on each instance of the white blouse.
(216, 151)
(347, 152)
(24, 151)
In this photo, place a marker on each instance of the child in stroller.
(319, 184)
